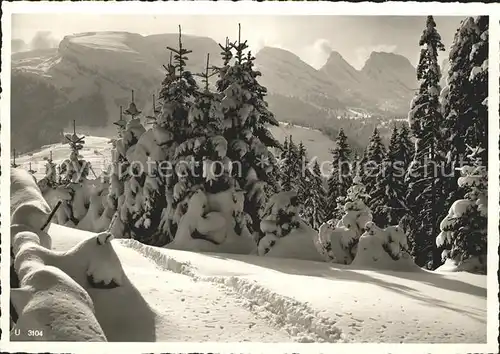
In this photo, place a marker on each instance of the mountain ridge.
(102, 68)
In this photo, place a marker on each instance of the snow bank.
(384, 249)
(49, 300)
(210, 224)
(473, 264)
(27, 205)
(57, 289)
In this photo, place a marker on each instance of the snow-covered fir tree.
(289, 166)
(340, 178)
(51, 171)
(425, 197)
(50, 179)
(405, 149)
(477, 133)
(246, 120)
(464, 229)
(387, 197)
(463, 110)
(303, 178)
(204, 152)
(172, 187)
(466, 89)
(465, 105)
(124, 194)
(73, 179)
(75, 168)
(372, 161)
(285, 233)
(339, 240)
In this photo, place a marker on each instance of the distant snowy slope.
(317, 144)
(227, 298)
(97, 150)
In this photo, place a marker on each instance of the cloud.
(363, 53)
(43, 40)
(317, 54)
(261, 42)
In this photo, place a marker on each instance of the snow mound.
(337, 242)
(49, 300)
(286, 235)
(298, 244)
(91, 263)
(209, 225)
(91, 260)
(384, 249)
(27, 205)
(56, 306)
(473, 264)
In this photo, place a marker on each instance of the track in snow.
(299, 320)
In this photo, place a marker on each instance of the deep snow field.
(185, 296)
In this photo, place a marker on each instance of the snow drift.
(49, 300)
(188, 296)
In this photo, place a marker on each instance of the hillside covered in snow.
(97, 149)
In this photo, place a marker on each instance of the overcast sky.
(310, 37)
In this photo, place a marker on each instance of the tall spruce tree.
(387, 198)
(246, 121)
(465, 105)
(464, 229)
(372, 161)
(340, 178)
(405, 149)
(162, 186)
(477, 133)
(462, 98)
(425, 178)
(455, 103)
(314, 204)
(288, 166)
(300, 172)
